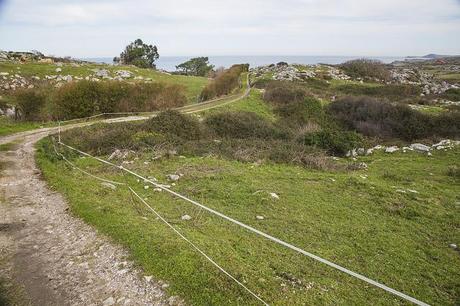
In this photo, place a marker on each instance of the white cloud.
(210, 27)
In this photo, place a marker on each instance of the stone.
(186, 217)
(420, 147)
(391, 149)
(109, 185)
(124, 73)
(109, 301)
(58, 69)
(146, 187)
(260, 217)
(173, 177)
(101, 73)
(453, 246)
(274, 196)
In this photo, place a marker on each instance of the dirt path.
(55, 258)
(58, 259)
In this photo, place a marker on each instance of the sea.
(169, 63)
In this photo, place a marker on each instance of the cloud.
(209, 27)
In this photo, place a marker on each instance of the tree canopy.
(198, 66)
(139, 54)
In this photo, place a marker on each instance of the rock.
(453, 246)
(260, 217)
(115, 154)
(157, 189)
(173, 177)
(420, 147)
(124, 73)
(186, 217)
(58, 69)
(148, 278)
(108, 302)
(391, 149)
(109, 185)
(361, 151)
(146, 187)
(67, 78)
(101, 73)
(274, 196)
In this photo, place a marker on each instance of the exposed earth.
(56, 258)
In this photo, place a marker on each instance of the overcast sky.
(93, 28)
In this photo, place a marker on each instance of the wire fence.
(253, 230)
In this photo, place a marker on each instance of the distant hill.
(432, 56)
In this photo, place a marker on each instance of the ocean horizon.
(169, 63)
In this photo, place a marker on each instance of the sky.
(93, 28)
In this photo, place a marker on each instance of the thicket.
(85, 98)
(224, 83)
(367, 69)
(380, 118)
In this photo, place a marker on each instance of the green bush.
(367, 69)
(391, 91)
(452, 94)
(334, 141)
(301, 112)
(173, 123)
(241, 125)
(30, 104)
(282, 92)
(224, 83)
(380, 118)
(85, 98)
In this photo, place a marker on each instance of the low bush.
(30, 104)
(85, 98)
(241, 125)
(380, 118)
(391, 91)
(452, 94)
(279, 92)
(224, 83)
(334, 141)
(301, 112)
(173, 123)
(366, 69)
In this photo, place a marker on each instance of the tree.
(139, 54)
(198, 66)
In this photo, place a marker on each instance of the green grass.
(194, 85)
(364, 224)
(252, 103)
(9, 126)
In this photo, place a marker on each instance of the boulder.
(391, 149)
(186, 218)
(420, 147)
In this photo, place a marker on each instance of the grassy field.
(252, 103)
(9, 126)
(194, 85)
(393, 224)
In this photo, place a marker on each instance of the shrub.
(103, 138)
(452, 94)
(373, 117)
(241, 125)
(446, 124)
(334, 141)
(30, 103)
(85, 98)
(366, 69)
(173, 123)
(391, 91)
(224, 83)
(301, 112)
(280, 92)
